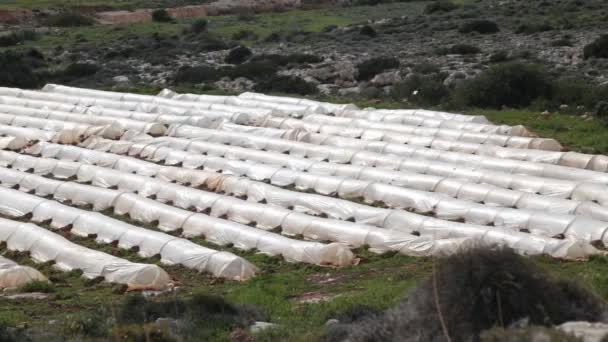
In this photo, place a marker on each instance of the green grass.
(98, 34)
(110, 4)
(224, 26)
(574, 132)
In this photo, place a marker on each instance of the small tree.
(598, 48)
(479, 26)
(510, 84)
(161, 16)
(199, 26)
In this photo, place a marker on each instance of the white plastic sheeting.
(30, 134)
(349, 136)
(13, 275)
(351, 110)
(195, 118)
(496, 179)
(170, 218)
(85, 97)
(58, 120)
(172, 250)
(386, 155)
(246, 212)
(347, 210)
(369, 130)
(466, 189)
(44, 246)
(331, 179)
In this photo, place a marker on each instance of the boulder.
(387, 78)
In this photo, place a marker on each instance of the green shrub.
(533, 27)
(38, 286)
(601, 109)
(244, 35)
(595, 94)
(208, 42)
(274, 37)
(479, 26)
(509, 84)
(598, 48)
(426, 68)
(284, 60)
(561, 42)
(69, 19)
(459, 49)
(17, 38)
(199, 26)
(80, 70)
(245, 14)
(238, 55)
(256, 71)
(570, 91)
(17, 71)
(420, 89)
(367, 2)
(367, 30)
(499, 56)
(440, 6)
(161, 16)
(287, 84)
(372, 67)
(198, 74)
(88, 324)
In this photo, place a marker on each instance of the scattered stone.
(327, 89)
(387, 78)
(260, 326)
(240, 335)
(238, 85)
(121, 80)
(586, 331)
(22, 296)
(316, 297)
(349, 91)
(332, 321)
(545, 114)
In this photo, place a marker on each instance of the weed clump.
(198, 318)
(38, 286)
(472, 292)
(17, 38)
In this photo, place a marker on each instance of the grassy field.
(109, 4)
(224, 26)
